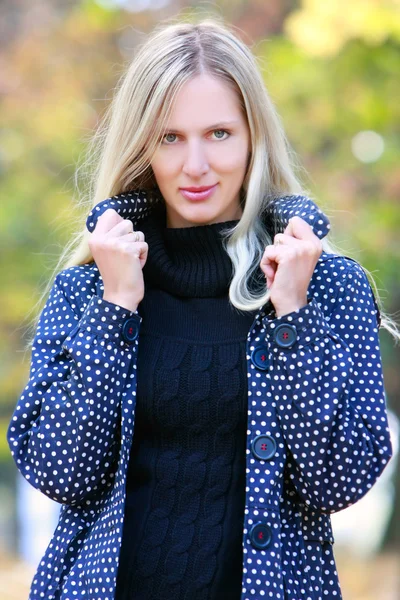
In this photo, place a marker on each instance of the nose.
(195, 161)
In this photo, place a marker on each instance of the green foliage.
(324, 103)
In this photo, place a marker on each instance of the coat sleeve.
(64, 433)
(329, 392)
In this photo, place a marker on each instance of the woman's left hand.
(288, 265)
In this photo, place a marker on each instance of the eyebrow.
(215, 126)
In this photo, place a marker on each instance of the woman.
(206, 384)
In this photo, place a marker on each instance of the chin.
(198, 215)
(202, 219)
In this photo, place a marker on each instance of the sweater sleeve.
(64, 433)
(329, 393)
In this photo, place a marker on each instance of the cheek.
(231, 162)
(165, 166)
(232, 158)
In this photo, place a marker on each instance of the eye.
(218, 133)
(167, 138)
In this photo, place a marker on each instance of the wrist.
(289, 307)
(127, 302)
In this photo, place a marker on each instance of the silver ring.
(137, 236)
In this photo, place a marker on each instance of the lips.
(198, 193)
(202, 188)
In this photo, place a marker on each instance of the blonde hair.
(120, 152)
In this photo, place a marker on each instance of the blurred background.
(333, 70)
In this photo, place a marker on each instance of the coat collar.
(137, 204)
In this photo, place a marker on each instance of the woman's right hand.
(119, 258)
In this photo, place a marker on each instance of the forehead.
(203, 101)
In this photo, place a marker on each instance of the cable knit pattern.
(184, 521)
(188, 452)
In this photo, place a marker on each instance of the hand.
(120, 254)
(288, 265)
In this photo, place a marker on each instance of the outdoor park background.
(332, 68)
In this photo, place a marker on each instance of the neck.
(174, 220)
(186, 261)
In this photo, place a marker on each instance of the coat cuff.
(296, 329)
(108, 319)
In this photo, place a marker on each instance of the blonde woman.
(206, 383)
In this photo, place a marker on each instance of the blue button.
(285, 335)
(259, 357)
(130, 330)
(260, 536)
(263, 447)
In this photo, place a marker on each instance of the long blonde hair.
(120, 152)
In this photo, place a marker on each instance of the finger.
(139, 236)
(276, 253)
(299, 229)
(121, 228)
(270, 254)
(281, 239)
(141, 251)
(138, 249)
(132, 236)
(268, 267)
(124, 228)
(107, 221)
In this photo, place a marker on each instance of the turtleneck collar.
(186, 261)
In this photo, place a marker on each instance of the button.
(130, 330)
(285, 335)
(259, 357)
(263, 447)
(260, 536)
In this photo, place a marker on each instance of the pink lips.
(201, 194)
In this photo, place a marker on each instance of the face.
(205, 145)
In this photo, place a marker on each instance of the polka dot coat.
(317, 430)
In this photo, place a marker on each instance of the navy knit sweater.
(182, 537)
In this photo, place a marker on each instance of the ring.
(137, 236)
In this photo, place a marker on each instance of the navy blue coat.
(317, 435)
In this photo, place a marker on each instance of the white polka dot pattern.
(136, 205)
(285, 207)
(321, 399)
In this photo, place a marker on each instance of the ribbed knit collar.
(186, 261)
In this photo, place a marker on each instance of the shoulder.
(336, 269)
(336, 277)
(78, 284)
